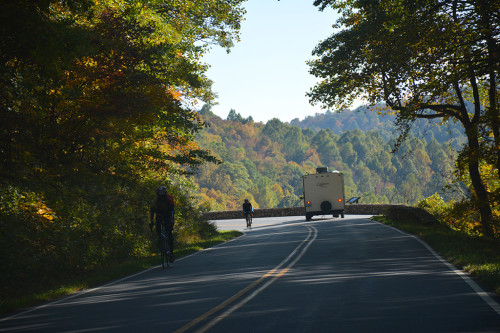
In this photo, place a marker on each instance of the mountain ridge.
(265, 162)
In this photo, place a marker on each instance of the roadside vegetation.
(105, 274)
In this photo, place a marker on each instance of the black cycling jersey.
(247, 207)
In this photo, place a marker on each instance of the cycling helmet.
(161, 191)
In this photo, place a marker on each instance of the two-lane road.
(337, 275)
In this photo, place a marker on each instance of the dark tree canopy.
(97, 108)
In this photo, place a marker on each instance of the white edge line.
(477, 289)
(85, 291)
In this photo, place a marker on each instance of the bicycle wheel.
(164, 247)
(164, 252)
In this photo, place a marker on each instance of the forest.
(265, 162)
(97, 109)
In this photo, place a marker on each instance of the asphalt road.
(327, 275)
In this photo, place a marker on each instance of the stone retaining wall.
(355, 209)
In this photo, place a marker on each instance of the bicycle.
(164, 248)
(248, 217)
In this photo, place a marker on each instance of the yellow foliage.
(46, 212)
(173, 93)
(88, 62)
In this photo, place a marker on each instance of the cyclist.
(163, 210)
(247, 209)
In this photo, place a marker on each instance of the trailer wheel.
(308, 217)
(326, 207)
(342, 214)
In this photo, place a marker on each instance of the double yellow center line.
(264, 281)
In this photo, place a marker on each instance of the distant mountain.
(366, 120)
(265, 162)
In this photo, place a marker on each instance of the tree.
(426, 59)
(294, 144)
(326, 147)
(97, 108)
(235, 116)
(275, 129)
(88, 82)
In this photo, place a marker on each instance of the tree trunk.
(471, 126)
(494, 116)
(482, 200)
(493, 112)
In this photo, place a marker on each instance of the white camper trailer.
(323, 193)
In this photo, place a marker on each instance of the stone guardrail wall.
(358, 209)
(412, 214)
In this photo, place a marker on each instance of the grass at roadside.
(477, 256)
(108, 274)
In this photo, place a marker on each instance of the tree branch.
(463, 116)
(477, 102)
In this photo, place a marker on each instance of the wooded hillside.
(265, 162)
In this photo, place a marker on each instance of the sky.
(265, 75)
